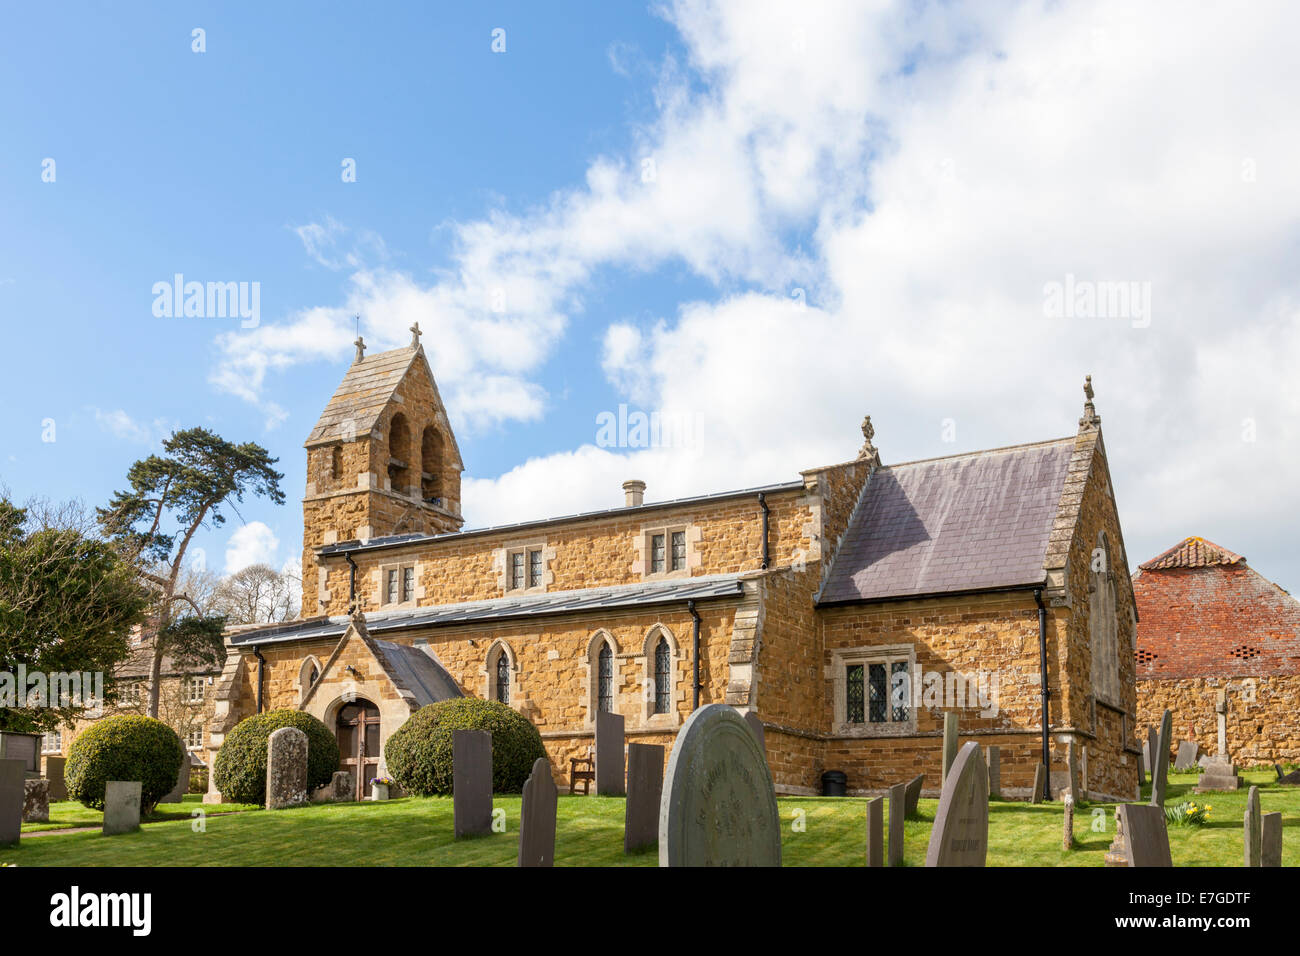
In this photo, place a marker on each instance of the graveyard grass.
(69, 814)
(418, 832)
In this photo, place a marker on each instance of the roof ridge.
(984, 451)
(1193, 551)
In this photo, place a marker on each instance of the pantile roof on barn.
(978, 521)
(1191, 553)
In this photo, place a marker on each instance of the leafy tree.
(172, 496)
(68, 602)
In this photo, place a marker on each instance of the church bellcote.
(382, 459)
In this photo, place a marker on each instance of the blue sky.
(767, 219)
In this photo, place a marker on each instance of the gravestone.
(342, 788)
(719, 805)
(36, 800)
(756, 725)
(1141, 832)
(1287, 779)
(471, 788)
(1040, 781)
(122, 806)
(182, 783)
(1067, 829)
(876, 832)
(286, 768)
(13, 774)
(949, 742)
(1271, 840)
(54, 768)
(24, 747)
(537, 816)
(1254, 827)
(609, 755)
(645, 786)
(1144, 762)
(995, 773)
(961, 827)
(1220, 774)
(1153, 745)
(1186, 758)
(913, 797)
(1203, 761)
(897, 811)
(1160, 769)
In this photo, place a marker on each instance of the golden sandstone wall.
(1263, 719)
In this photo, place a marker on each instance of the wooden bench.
(581, 770)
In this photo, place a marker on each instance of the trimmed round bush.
(240, 766)
(124, 747)
(419, 753)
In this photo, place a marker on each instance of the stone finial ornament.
(360, 343)
(415, 335)
(869, 451)
(1090, 416)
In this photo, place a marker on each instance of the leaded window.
(605, 679)
(503, 677)
(517, 570)
(392, 587)
(679, 550)
(663, 676)
(408, 584)
(535, 568)
(854, 712)
(656, 553)
(900, 687)
(877, 693)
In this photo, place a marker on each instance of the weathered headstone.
(609, 755)
(1254, 827)
(122, 806)
(182, 783)
(897, 812)
(471, 758)
(1153, 745)
(537, 816)
(1287, 779)
(950, 725)
(1271, 839)
(1186, 758)
(756, 725)
(1140, 828)
(286, 768)
(36, 800)
(1067, 828)
(876, 832)
(719, 805)
(24, 747)
(54, 767)
(1220, 774)
(645, 786)
(1160, 769)
(995, 773)
(1040, 782)
(1144, 762)
(913, 798)
(13, 773)
(961, 827)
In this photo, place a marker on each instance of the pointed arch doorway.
(357, 729)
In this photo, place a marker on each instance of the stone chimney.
(634, 489)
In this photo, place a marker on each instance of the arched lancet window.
(336, 462)
(399, 453)
(605, 679)
(431, 463)
(663, 676)
(503, 677)
(308, 675)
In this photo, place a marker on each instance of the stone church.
(849, 605)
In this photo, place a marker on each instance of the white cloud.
(252, 543)
(938, 165)
(119, 424)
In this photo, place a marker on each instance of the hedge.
(419, 754)
(124, 747)
(240, 766)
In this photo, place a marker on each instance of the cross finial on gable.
(360, 343)
(1090, 416)
(415, 335)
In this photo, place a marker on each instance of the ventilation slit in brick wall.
(1244, 652)
(1146, 657)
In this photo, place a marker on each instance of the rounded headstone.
(719, 805)
(960, 836)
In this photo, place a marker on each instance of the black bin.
(834, 783)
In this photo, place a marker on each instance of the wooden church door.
(358, 732)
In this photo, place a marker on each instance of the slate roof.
(1192, 553)
(362, 396)
(507, 608)
(417, 671)
(971, 522)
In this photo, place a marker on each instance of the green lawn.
(68, 814)
(817, 832)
